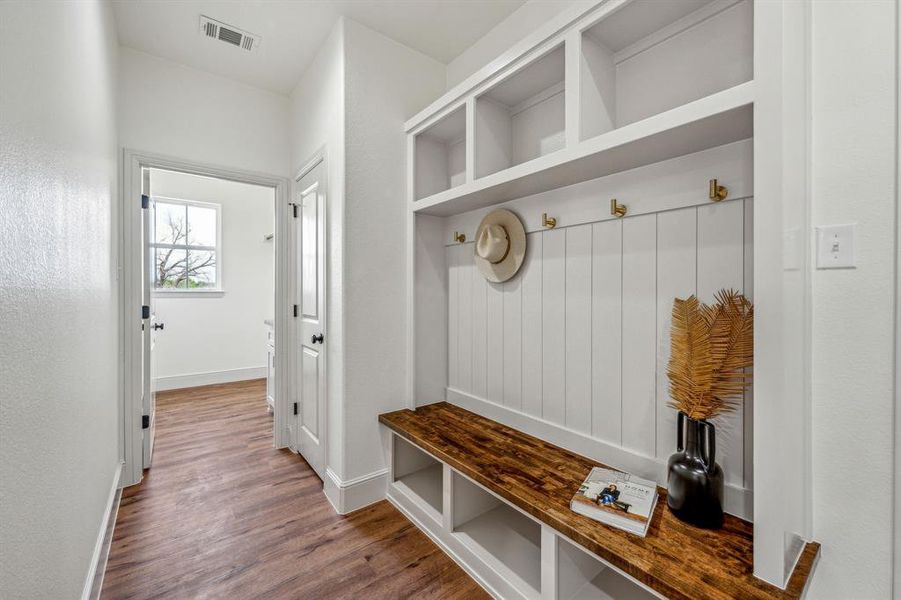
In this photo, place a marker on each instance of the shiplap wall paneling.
(677, 258)
(606, 331)
(553, 310)
(479, 331)
(453, 315)
(494, 345)
(465, 339)
(531, 274)
(639, 337)
(748, 406)
(512, 347)
(578, 328)
(721, 265)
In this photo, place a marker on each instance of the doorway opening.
(205, 287)
(211, 257)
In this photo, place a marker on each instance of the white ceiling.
(293, 30)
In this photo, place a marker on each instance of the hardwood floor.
(221, 514)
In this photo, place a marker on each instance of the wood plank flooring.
(221, 514)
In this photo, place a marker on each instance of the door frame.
(130, 300)
(318, 157)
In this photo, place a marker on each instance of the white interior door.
(149, 325)
(309, 225)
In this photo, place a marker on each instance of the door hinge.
(145, 201)
(145, 312)
(145, 421)
(294, 208)
(296, 310)
(295, 408)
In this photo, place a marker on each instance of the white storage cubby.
(441, 155)
(523, 116)
(649, 57)
(581, 576)
(648, 103)
(501, 536)
(419, 476)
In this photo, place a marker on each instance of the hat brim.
(516, 234)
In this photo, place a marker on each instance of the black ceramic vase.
(694, 480)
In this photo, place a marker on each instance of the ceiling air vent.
(218, 30)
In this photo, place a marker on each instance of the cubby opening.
(505, 539)
(581, 576)
(419, 475)
(649, 57)
(523, 116)
(441, 155)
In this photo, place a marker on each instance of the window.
(185, 242)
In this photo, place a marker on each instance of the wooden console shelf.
(675, 559)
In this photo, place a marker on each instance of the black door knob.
(159, 326)
(317, 338)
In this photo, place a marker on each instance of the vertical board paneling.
(748, 413)
(479, 334)
(639, 334)
(453, 289)
(721, 265)
(606, 330)
(578, 328)
(677, 256)
(513, 343)
(531, 325)
(494, 345)
(553, 401)
(580, 336)
(465, 269)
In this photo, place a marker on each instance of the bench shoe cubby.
(510, 553)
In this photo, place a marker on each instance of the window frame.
(217, 249)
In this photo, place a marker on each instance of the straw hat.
(500, 245)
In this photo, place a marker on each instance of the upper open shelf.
(648, 81)
(522, 117)
(719, 119)
(649, 57)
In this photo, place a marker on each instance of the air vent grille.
(229, 34)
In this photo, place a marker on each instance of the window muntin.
(186, 242)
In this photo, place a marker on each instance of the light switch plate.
(835, 247)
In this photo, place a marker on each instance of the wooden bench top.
(675, 559)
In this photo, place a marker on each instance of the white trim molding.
(187, 380)
(97, 567)
(354, 494)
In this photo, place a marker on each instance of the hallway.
(221, 514)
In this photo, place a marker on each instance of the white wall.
(523, 21)
(386, 83)
(352, 102)
(853, 181)
(317, 124)
(221, 336)
(174, 110)
(59, 419)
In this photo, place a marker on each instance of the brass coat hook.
(549, 222)
(459, 237)
(617, 209)
(717, 192)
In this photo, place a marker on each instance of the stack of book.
(618, 499)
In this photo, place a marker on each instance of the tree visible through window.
(186, 245)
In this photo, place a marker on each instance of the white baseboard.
(736, 500)
(94, 578)
(176, 382)
(354, 494)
